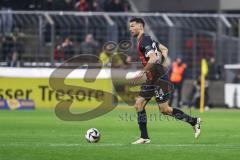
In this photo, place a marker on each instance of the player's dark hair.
(137, 20)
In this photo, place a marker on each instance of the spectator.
(49, 5)
(81, 5)
(64, 51)
(66, 5)
(14, 60)
(236, 78)
(115, 6)
(126, 6)
(36, 5)
(6, 17)
(110, 57)
(95, 6)
(177, 78)
(7, 46)
(213, 70)
(89, 46)
(12, 50)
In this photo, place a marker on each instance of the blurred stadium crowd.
(13, 38)
(67, 5)
(13, 47)
(27, 37)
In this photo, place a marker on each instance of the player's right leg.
(163, 94)
(180, 115)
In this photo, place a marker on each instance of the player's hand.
(138, 76)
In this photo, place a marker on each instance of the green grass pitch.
(39, 134)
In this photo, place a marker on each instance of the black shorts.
(161, 89)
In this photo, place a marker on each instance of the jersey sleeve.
(147, 46)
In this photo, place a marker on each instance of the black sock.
(142, 122)
(178, 114)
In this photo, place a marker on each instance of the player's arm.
(152, 60)
(164, 50)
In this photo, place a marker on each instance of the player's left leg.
(142, 116)
(179, 97)
(180, 115)
(146, 93)
(142, 120)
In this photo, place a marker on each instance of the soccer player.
(153, 57)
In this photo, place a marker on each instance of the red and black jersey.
(145, 46)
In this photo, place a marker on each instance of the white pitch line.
(154, 145)
(87, 145)
(116, 144)
(197, 145)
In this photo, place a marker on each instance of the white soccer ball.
(92, 135)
